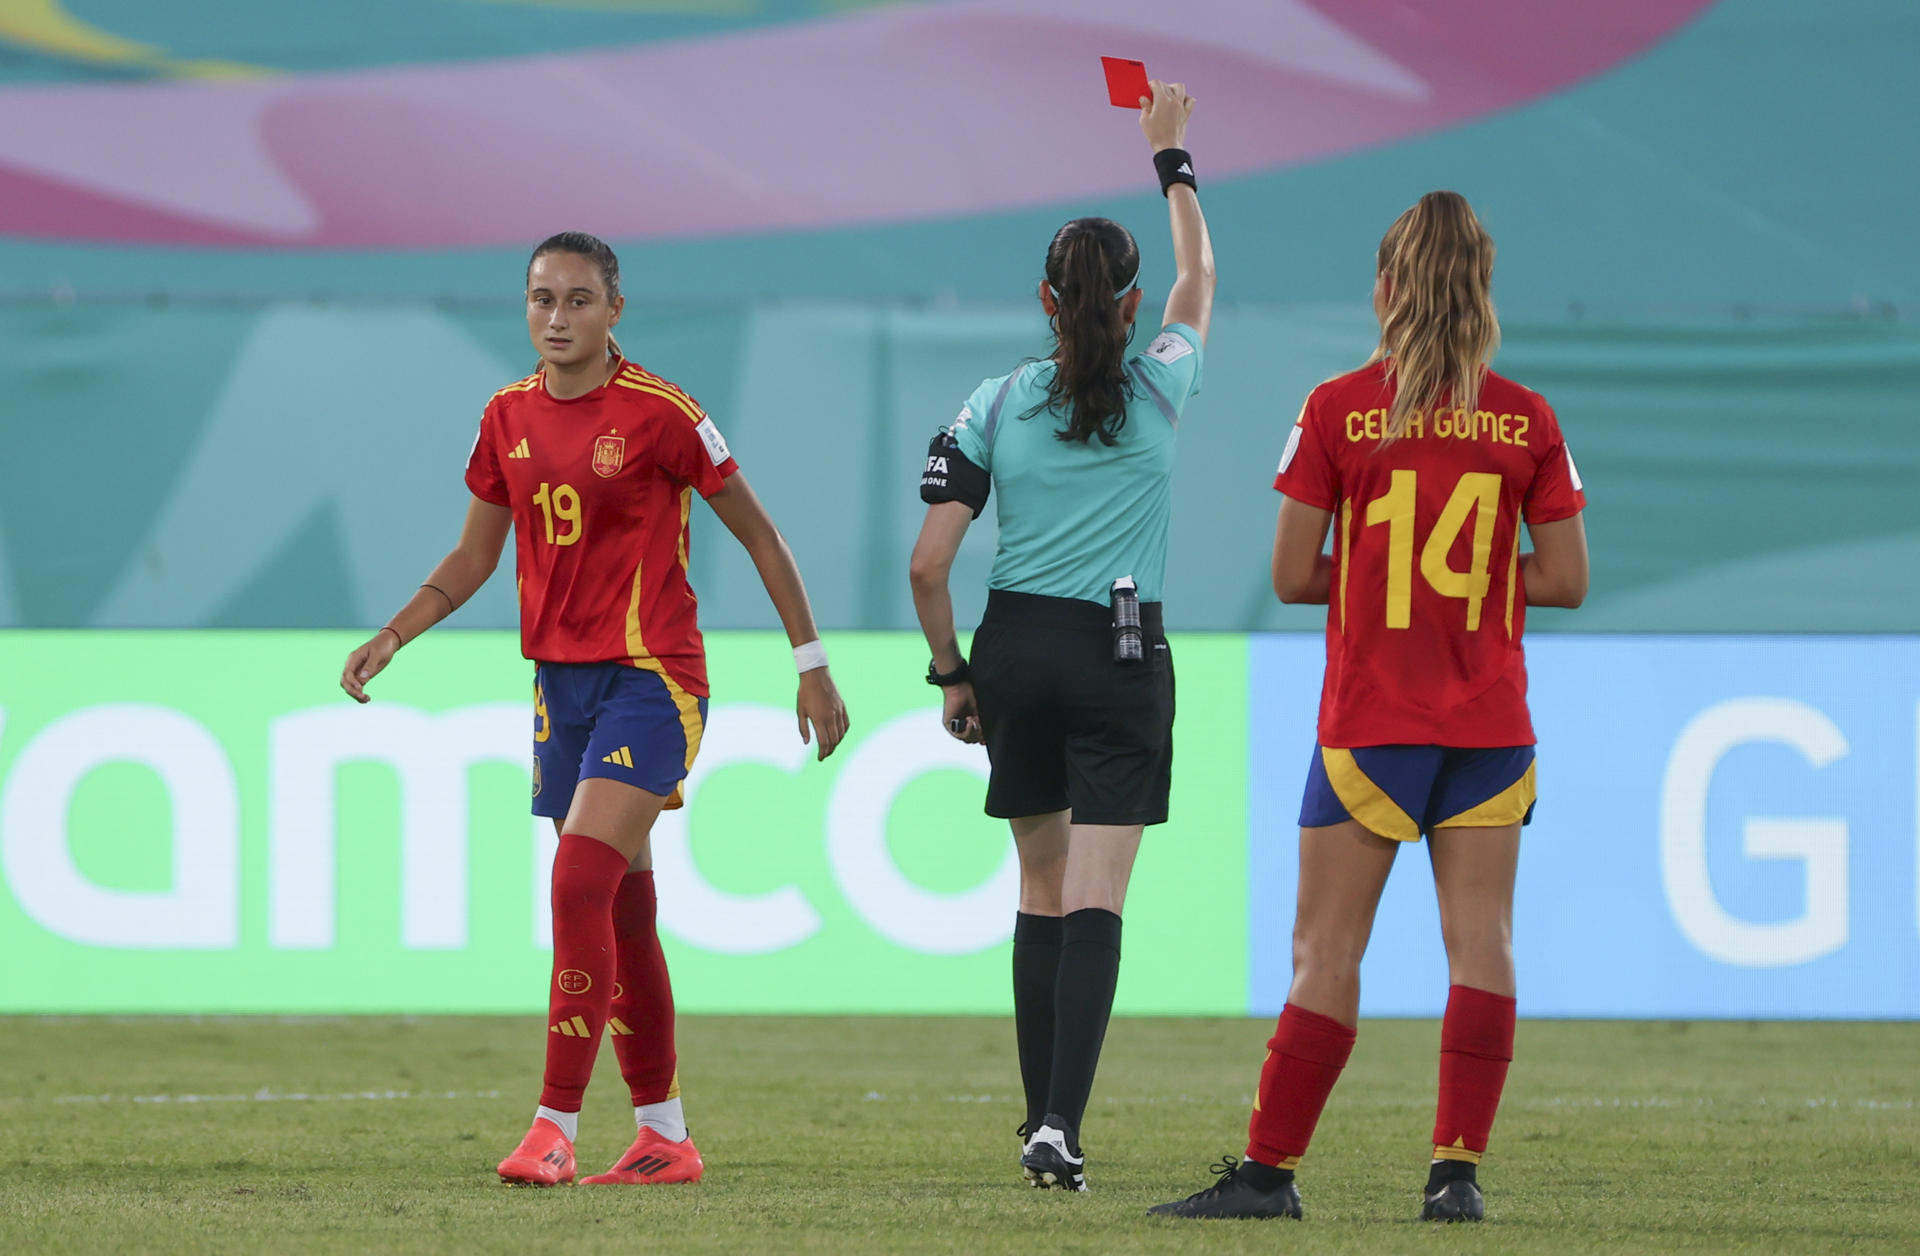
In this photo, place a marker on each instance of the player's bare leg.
(618, 814)
(1343, 870)
(1473, 875)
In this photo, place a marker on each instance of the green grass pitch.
(858, 1136)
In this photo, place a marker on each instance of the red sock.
(1304, 1059)
(642, 1015)
(586, 873)
(1476, 1044)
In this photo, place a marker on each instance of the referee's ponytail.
(1438, 330)
(1091, 264)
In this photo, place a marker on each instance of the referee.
(1071, 682)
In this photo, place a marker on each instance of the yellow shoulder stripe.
(641, 372)
(644, 376)
(692, 411)
(519, 386)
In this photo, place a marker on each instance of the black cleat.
(1458, 1200)
(1234, 1196)
(1050, 1160)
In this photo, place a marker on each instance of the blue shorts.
(1403, 791)
(614, 721)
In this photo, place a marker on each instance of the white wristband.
(809, 656)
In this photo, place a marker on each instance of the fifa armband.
(953, 477)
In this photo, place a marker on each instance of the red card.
(1126, 81)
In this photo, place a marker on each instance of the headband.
(1125, 288)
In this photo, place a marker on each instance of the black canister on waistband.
(1129, 643)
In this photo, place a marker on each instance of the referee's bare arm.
(940, 536)
(933, 554)
(1164, 122)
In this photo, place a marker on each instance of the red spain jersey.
(1426, 607)
(601, 487)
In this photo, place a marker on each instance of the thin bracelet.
(396, 634)
(451, 608)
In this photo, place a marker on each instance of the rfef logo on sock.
(573, 981)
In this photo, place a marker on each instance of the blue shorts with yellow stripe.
(610, 720)
(1403, 791)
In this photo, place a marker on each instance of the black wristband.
(958, 676)
(1174, 165)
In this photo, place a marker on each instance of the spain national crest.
(609, 455)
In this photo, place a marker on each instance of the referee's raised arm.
(1163, 120)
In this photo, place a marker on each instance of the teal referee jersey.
(1076, 516)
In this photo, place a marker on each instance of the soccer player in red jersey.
(1426, 464)
(593, 462)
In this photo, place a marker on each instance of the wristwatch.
(958, 676)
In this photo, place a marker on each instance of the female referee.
(594, 462)
(1430, 462)
(1076, 713)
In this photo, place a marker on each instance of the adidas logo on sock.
(573, 1028)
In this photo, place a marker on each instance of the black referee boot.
(1053, 1157)
(1246, 1189)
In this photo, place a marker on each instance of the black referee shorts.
(1066, 726)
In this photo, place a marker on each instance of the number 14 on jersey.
(1476, 500)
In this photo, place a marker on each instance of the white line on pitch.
(1512, 1101)
(265, 1095)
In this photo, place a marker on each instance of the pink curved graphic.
(884, 116)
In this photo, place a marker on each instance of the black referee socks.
(1089, 970)
(1036, 970)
